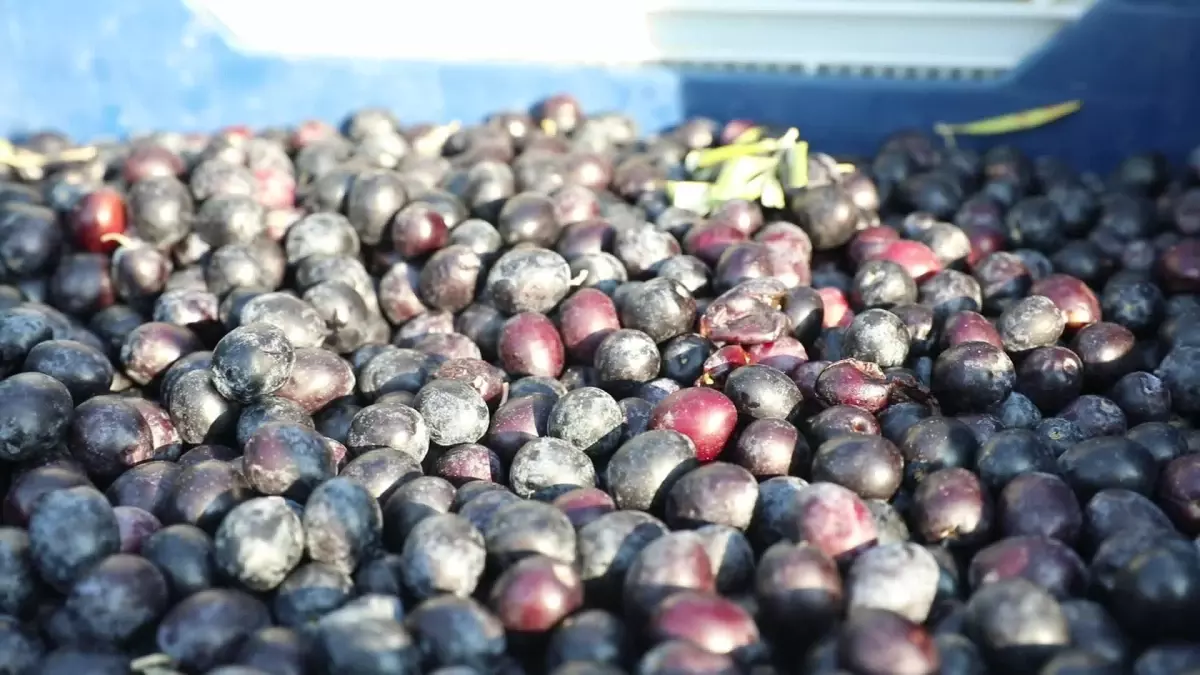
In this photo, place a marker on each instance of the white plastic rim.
(885, 37)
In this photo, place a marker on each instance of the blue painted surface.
(118, 66)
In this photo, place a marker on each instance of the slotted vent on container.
(941, 39)
(901, 39)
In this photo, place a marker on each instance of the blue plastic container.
(114, 67)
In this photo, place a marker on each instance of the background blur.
(846, 71)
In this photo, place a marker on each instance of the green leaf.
(706, 175)
(772, 196)
(690, 195)
(797, 166)
(753, 189)
(751, 135)
(708, 157)
(738, 176)
(789, 139)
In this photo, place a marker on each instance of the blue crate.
(114, 67)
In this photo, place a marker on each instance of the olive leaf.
(691, 195)
(772, 196)
(1009, 123)
(750, 135)
(751, 168)
(738, 176)
(710, 157)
